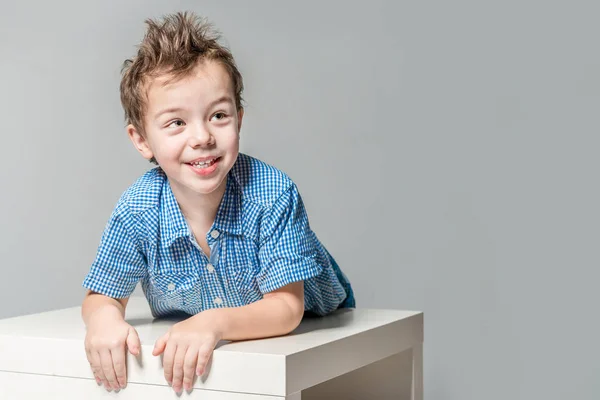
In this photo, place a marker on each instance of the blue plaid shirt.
(260, 241)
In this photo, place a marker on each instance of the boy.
(212, 234)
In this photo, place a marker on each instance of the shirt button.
(210, 268)
(218, 300)
(215, 234)
(171, 286)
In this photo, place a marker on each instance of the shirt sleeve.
(119, 263)
(288, 250)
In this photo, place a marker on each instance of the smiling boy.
(210, 233)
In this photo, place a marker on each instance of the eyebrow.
(222, 99)
(166, 111)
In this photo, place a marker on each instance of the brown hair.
(173, 46)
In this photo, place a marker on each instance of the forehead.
(207, 81)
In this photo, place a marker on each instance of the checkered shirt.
(260, 241)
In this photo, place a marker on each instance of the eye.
(176, 124)
(219, 116)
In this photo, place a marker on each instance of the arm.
(278, 313)
(107, 338)
(117, 268)
(93, 302)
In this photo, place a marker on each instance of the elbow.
(291, 312)
(295, 320)
(295, 313)
(290, 307)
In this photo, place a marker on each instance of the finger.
(133, 342)
(160, 344)
(118, 359)
(189, 367)
(204, 355)
(178, 368)
(108, 369)
(168, 358)
(88, 355)
(97, 368)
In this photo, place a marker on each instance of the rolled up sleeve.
(287, 252)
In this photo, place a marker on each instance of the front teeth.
(204, 164)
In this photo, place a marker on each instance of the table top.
(67, 324)
(55, 341)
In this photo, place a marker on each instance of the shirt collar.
(172, 222)
(174, 225)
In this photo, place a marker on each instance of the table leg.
(417, 372)
(395, 377)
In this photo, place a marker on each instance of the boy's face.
(192, 128)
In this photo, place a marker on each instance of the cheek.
(169, 148)
(234, 145)
(233, 140)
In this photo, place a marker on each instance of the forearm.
(272, 316)
(94, 302)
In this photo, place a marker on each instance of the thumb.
(133, 342)
(160, 345)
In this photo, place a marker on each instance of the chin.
(207, 188)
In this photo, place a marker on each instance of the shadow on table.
(312, 322)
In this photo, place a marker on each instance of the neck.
(199, 209)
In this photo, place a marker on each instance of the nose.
(200, 136)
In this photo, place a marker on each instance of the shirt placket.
(217, 289)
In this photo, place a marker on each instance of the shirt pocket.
(177, 259)
(178, 291)
(244, 278)
(239, 259)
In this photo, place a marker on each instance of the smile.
(204, 164)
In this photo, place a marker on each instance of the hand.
(187, 348)
(107, 336)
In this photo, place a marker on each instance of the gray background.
(446, 152)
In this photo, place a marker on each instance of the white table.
(351, 354)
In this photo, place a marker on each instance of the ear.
(140, 143)
(240, 117)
